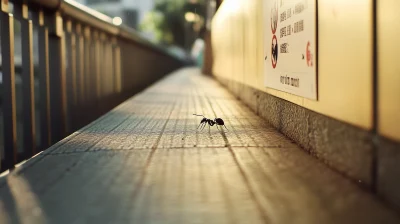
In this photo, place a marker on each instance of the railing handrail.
(76, 10)
(49, 4)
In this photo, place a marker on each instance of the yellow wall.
(345, 58)
(389, 68)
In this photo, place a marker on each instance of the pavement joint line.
(239, 120)
(139, 185)
(75, 134)
(120, 123)
(247, 182)
(229, 120)
(243, 174)
(145, 122)
(37, 158)
(227, 200)
(163, 128)
(111, 150)
(185, 125)
(133, 115)
(66, 171)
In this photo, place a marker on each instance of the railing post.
(97, 63)
(57, 77)
(44, 83)
(80, 72)
(80, 64)
(110, 72)
(116, 66)
(28, 84)
(8, 71)
(69, 38)
(102, 60)
(74, 68)
(74, 76)
(97, 71)
(86, 60)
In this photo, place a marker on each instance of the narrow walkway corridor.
(144, 162)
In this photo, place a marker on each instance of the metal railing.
(75, 65)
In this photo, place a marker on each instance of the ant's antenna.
(199, 115)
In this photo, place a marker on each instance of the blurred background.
(177, 25)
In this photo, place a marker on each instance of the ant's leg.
(204, 125)
(199, 125)
(226, 127)
(217, 127)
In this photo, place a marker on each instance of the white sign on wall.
(290, 46)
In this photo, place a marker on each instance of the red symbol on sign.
(309, 55)
(274, 51)
(274, 17)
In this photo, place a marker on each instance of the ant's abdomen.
(219, 121)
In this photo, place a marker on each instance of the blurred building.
(130, 11)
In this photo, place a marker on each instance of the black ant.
(204, 121)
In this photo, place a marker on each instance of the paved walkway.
(144, 162)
